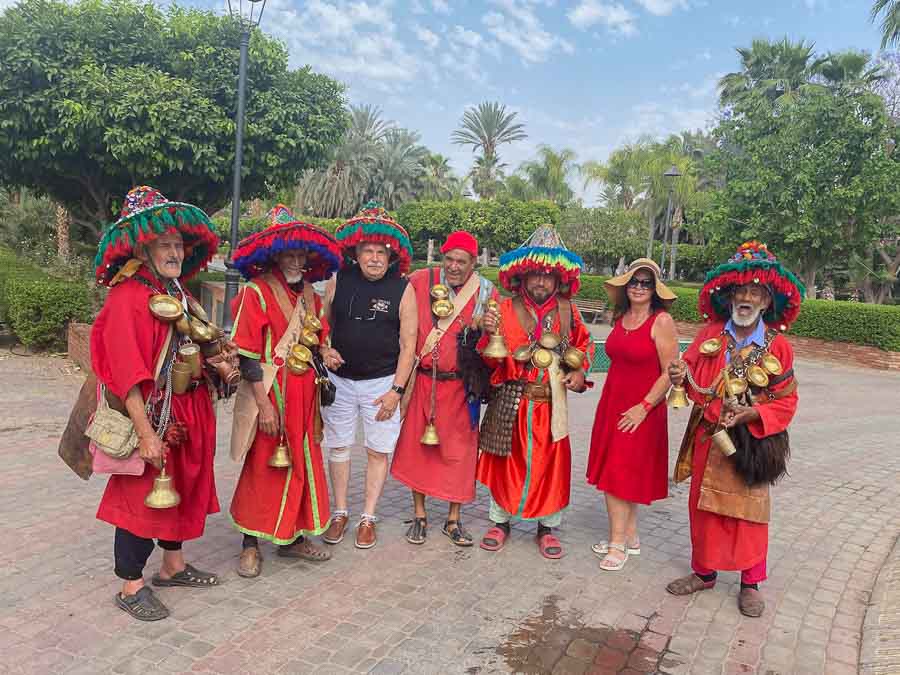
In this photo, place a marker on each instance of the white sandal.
(600, 549)
(610, 565)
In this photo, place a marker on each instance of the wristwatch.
(398, 389)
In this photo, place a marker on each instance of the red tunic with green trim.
(534, 480)
(125, 343)
(273, 503)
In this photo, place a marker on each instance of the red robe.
(722, 542)
(534, 480)
(279, 504)
(448, 470)
(125, 343)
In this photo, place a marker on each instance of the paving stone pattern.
(441, 609)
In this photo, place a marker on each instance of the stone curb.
(880, 650)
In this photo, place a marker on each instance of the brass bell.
(309, 337)
(723, 442)
(574, 358)
(440, 292)
(711, 346)
(281, 457)
(430, 437)
(442, 308)
(772, 365)
(163, 495)
(550, 340)
(542, 358)
(496, 347)
(311, 321)
(678, 397)
(522, 354)
(757, 376)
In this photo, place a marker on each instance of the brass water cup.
(735, 386)
(202, 332)
(550, 340)
(312, 322)
(440, 292)
(522, 354)
(190, 354)
(302, 353)
(573, 358)
(197, 310)
(711, 346)
(182, 374)
(183, 325)
(771, 364)
(309, 338)
(723, 442)
(442, 308)
(757, 376)
(542, 358)
(212, 348)
(165, 307)
(295, 366)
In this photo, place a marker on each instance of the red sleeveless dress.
(630, 466)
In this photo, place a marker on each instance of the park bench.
(596, 308)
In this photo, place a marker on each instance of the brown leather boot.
(335, 532)
(250, 563)
(365, 533)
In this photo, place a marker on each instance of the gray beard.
(744, 323)
(293, 278)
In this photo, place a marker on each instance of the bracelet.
(398, 389)
(646, 405)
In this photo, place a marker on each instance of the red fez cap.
(463, 241)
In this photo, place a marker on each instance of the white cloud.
(440, 6)
(466, 37)
(614, 16)
(660, 120)
(416, 7)
(518, 27)
(663, 7)
(429, 38)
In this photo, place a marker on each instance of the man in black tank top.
(372, 313)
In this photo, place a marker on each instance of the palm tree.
(774, 71)
(890, 22)
(398, 168)
(851, 71)
(621, 176)
(438, 181)
(548, 175)
(366, 121)
(486, 127)
(487, 176)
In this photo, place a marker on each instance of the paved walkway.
(441, 609)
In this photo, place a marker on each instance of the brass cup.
(757, 376)
(201, 331)
(440, 292)
(550, 340)
(302, 353)
(735, 386)
(574, 358)
(711, 346)
(295, 366)
(678, 398)
(723, 442)
(309, 338)
(182, 374)
(522, 354)
(311, 321)
(430, 437)
(771, 364)
(197, 310)
(183, 325)
(165, 307)
(442, 308)
(542, 358)
(210, 349)
(190, 354)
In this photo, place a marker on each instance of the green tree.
(438, 181)
(487, 176)
(99, 95)
(399, 167)
(485, 128)
(890, 20)
(549, 174)
(851, 71)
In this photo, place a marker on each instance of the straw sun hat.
(615, 287)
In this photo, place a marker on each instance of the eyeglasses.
(641, 283)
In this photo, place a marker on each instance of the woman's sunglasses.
(641, 283)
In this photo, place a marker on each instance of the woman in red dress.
(629, 452)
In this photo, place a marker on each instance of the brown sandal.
(689, 584)
(304, 550)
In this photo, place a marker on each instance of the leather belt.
(537, 391)
(441, 376)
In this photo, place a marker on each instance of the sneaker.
(335, 532)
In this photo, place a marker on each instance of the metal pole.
(650, 239)
(662, 262)
(232, 276)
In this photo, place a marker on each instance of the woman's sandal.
(600, 549)
(614, 564)
(494, 538)
(143, 605)
(458, 535)
(550, 546)
(190, 576)
(417, 531)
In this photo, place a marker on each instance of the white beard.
(293, 278)
(741, 321)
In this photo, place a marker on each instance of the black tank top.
(365, 323)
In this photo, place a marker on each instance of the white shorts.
(355, 400)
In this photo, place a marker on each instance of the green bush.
(875, 325)
(13, 267)
(40, 309)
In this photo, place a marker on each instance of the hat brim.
(616, 287)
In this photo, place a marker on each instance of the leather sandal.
(751, 603)
(417, 530)
(689, 584)
(190, 576)
(305, 550)
(458, 535)
(143, 605)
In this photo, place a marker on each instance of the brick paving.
(441, 609)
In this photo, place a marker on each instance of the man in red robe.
(277, 314)
(526, 457)
(739, 373)
(145, 253)
(450, 369)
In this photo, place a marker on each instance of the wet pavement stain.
(557, 642)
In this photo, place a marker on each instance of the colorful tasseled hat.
(254, 254)
(753, 263)
(543, 252)
(374, 224)
(147, 214)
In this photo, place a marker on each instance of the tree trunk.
(63, 225)
(620, 268)
(808, 275)
(430, 258)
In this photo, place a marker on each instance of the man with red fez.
(525, 453)
(282, 493)
(447, 388)
(143, 257)
(739, 373)
(372, 312)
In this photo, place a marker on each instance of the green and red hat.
(753, 263)
(146, 214)
(255, 254)
(373, 224)
(543, 253)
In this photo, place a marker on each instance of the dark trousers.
(132, 551)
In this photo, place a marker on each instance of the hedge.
(37, 306)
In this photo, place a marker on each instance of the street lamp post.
(670, 177)
(248, 14)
